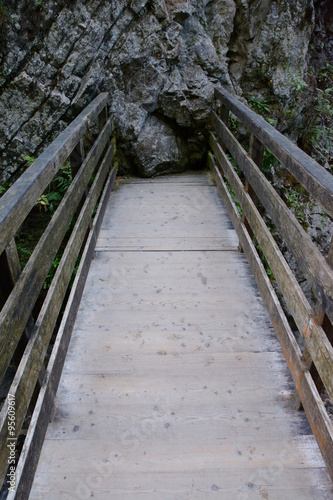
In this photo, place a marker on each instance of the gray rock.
(158, 150)
(159, 60)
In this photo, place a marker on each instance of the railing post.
(77, 157)
(103, 117)
(322, 319)
(10, 269)
(224, 115)
(257, 154)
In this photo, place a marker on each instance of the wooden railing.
(311, 367)
(35, 344)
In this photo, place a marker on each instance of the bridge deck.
(174, 385)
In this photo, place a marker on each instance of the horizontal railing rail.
(310, 363)
(35, 326)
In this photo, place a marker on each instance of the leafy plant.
(54, 194)
(2, 190)
(326, 72)
(40, 4)
(52, 272)
(268, 161)
(260, 107)
(65, 178)
(297, 81)
(317, 136)
(295, 200)
(233, 122)
(272, 121)
(29, 160)
(264, 260)
(234, 199)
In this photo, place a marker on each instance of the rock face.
(158, 59)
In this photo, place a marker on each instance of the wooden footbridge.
(179, 374)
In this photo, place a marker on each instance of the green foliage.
(264, 260)
(260, 107)
(52, 272)
(233, 122)
(325, 73)
(320, 134)
(29, 160)
(268, 161)
(4, 187)
(54, 194)
(234, 199)
(295, 200)
(24, 252)
(65, 178)
(272, 122)
(40, 4)
(317, 136)
(298, 82)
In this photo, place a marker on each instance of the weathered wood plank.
(27, 374)
(35, 436)
(108, 243)
(307, 171)
(309, 259)
(316, 340)
(312, 403)
(17, 202)
(163, 474)
(17, 309)
(206, 223)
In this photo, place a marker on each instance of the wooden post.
(257, 155)
(321, 318)
(77, 157)
(224, 115)
(10, 269)
(103, 117)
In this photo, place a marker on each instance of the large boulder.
(158, 150)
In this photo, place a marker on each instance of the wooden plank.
(309, 259)
(35, 436)
(200, 222)
(108, 243)
(317, 342)
(17, 202)
(155, 479)
(17, 309)
(308, 172)
(27, 374)
(316, 413)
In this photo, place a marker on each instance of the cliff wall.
(159, 60)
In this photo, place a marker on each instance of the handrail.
(17, 202)
(317, 180)
(26, 330)
(312, 367)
